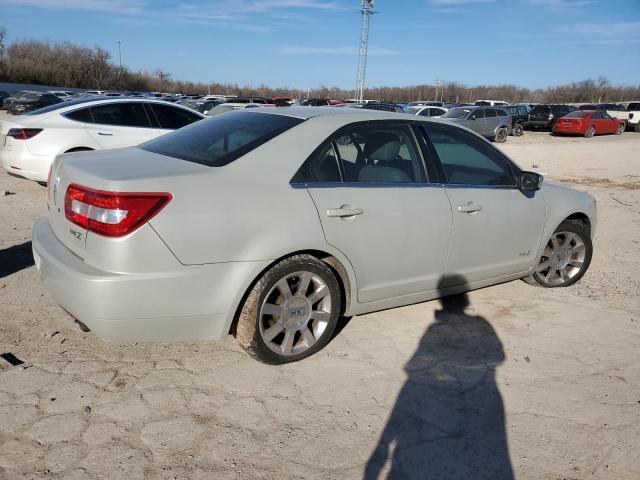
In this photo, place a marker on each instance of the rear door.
(171, 118)
(491, 121)
(120, 124)
(497, 229)
(377, 207)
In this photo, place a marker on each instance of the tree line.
(68, 65)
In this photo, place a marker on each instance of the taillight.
(23, 133)
(112, 214)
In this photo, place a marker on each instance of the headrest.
(377, 173)
(382, 147)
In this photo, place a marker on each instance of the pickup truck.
(633, 118)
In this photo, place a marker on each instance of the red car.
(589, 123)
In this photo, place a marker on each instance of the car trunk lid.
(121, 170)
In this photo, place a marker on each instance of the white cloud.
(458, 2)
(126, 7)
(561, 3)
(299, 50)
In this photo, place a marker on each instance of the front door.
(497, 229)
(377, 207)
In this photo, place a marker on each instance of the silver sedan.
(270, 224)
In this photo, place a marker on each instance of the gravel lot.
(541, 383)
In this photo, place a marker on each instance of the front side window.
(375, 154)
(121, 114)
(220, 140)
(466, 160)
(477, 114)
(172, 117)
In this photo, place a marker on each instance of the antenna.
(366, 9)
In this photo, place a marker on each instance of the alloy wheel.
(295, 313)
(563, 258)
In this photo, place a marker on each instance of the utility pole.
(366, 9)
(120, 55)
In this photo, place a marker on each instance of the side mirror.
(530, 181)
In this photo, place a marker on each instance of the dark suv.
(519, 116)
(546, 116)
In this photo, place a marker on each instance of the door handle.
(469, 208)
(344, 212)
(105, 134)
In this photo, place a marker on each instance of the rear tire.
(518, 130)
(637, 128)
(591, 131)
(291, 312)
(501, 135)
(565, 258)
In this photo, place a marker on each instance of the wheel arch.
(579, 217)
(345, 281)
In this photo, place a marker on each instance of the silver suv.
(491, 122)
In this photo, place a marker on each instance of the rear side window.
(220, 140)
(502, 113)
(121, 114)
(83, 115)
(489, 112)
(172, 117)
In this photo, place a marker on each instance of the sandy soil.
(523, 382)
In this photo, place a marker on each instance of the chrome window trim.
(366, 185)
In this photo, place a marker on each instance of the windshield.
(413, 110)
(540, 109)
(633, 106)
(457, 113)
(220, 140)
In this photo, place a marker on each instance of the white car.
(491, 103)
(270, 223)
(428, 111)
(30, 143)
(230, 106)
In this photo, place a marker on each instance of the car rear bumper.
(18, 161)
(189, 303)
(538, 123)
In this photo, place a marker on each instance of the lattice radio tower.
(366, 8)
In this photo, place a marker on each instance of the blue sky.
(308, 43)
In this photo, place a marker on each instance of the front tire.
(518, 130)
(565, 258)
(620, 129)
(291, 312)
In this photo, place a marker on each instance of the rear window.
(538, 109)
(220, 140)
(577, 114)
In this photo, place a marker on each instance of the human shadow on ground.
(15, 258)
(448, 422)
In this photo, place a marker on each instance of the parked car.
(519, 117)
(425, 103)
(589, 123)
(260, 100)
(63, 94)
(490, 103)
(230, 106)
(3, 95)
(32, 101)
(633, 115)
(29, 143)
(545, 116)
(615, 110)
(385, 107)
(173, 239)
(490, 122)
(427, 111)
(6, 103)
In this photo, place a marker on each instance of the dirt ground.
(520, 382)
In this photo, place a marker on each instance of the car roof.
(336, 115)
